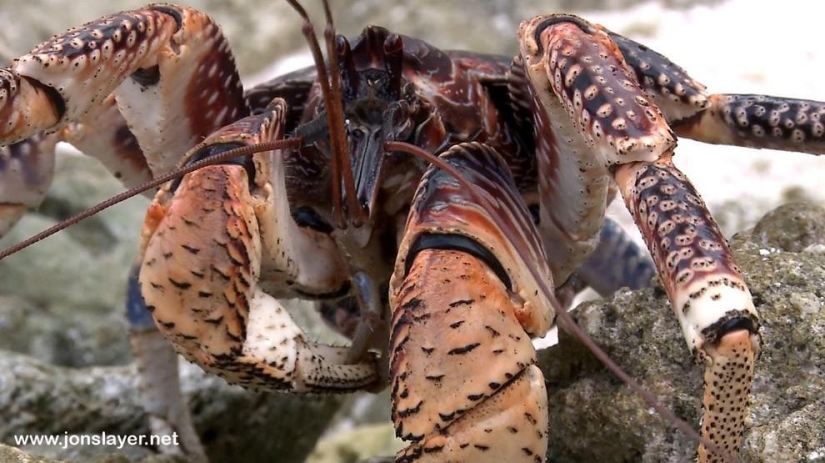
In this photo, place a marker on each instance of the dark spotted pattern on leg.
(705, 287)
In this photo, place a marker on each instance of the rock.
(358, 444)
(69, 290)
(67, 341)
(83, 269)
(12, 455)
(594, 417)
(792, 227)
(235, 425)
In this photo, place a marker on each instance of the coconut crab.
(328, 227)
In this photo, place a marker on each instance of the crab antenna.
(565, 317)
(335, 118)
(337, 130)
(149, 185)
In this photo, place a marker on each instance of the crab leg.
(706, 289)
(160, 391)
(755, 121)
(594, 95)
(462, 296)
(26, 172)
(211, 245)
(104, 134)
(136, 90)
(169, 68)
(617, 262)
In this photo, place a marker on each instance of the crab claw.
(214, 242)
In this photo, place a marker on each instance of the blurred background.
(61, 301)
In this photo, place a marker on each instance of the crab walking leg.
(706, 289)
(617, 262)
(462, 296)
(160, 391)
(755, 121)
(218, 246)
(759, 121)
(588, 115)
(170, 68)
(26, 172)
(584, 72)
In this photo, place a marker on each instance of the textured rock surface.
(593, 417)
(235, 425)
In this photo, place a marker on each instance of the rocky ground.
(65, 362)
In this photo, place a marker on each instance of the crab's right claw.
(219, 246)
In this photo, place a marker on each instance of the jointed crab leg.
(26, 171)
(706, 289)
(755, 121)
(162, 77)
(620, 128)
(170, 68)
(160, 391)
(104, 134)
(462, 297)
(759, 121)
(617, 262)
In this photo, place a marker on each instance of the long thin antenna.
(335, 119)
(359, 215)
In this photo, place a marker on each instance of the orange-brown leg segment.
(464, 383)
(706, 289)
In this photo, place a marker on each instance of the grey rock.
(67, 341)
(235, 425)
(594, 417)
(83, 269)
(792, 227)
(10, 454)
(63, 298)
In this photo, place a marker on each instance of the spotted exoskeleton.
(463, 252)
